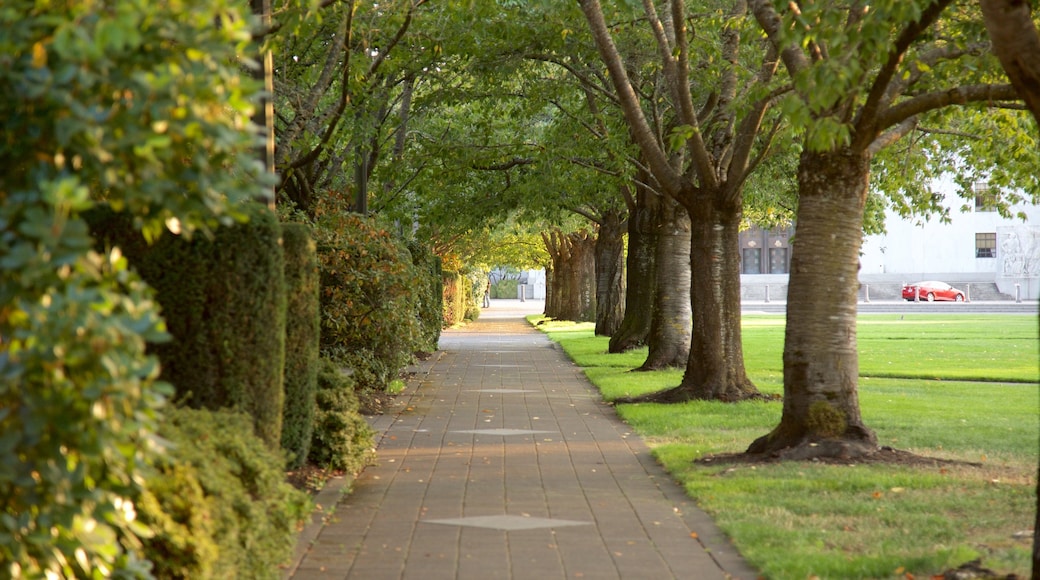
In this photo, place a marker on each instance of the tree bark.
(715, 370)
(554, 276)
(715, 353)
(671, 319)
(610, 274)
(573, 294)
(1016, 43)
(641, 271)
(821, 414)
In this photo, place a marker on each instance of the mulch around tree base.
(885, 455)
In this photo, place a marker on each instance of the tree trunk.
(550, 287)
(573, 294)
(715, 368)
(671, 318)
(821, 414)
(610, 274)
(1016, 43)
(715, 358)
(641, 271)
(553, 276)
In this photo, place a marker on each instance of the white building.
(976, 247)
(532, 285)
(979, 251)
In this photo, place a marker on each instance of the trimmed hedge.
(223, 300)
(342, 438)
(456, 298)
(219, 503)
(429, 287)
(302, 335)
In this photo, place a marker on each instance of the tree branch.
(681, 85)
(638, 125)
(343, 99)
(514, 162)
(345, 93)
(866, 128)
(904, 110)
(892, 135)
(749, 127)
(1016, 43)
(794, 59)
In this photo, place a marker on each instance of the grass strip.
(957, 387)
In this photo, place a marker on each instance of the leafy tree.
(863, 80)
(703, 161)
(343, 92)
(144, 106)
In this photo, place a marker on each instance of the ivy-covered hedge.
(369, 299)
(224, 304)
(218, 503)
(302, 335)
(342, 438)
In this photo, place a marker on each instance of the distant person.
(487, 294)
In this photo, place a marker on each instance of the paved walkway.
(501, 461)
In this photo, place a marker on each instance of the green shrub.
(456, 298)
(342, 438)
(144, 105)
(505, 288)
(430, 294)
(302, 328)
(369, 302)
(78, 407)
(180, 515)
(224, 303)
(247, 514)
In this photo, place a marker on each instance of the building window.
(777, 260)
(752, 261)
(985, 198)
(985, 245)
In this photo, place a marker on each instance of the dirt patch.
(311, 478)
(975, 571)
(374, 402)
(886, 455)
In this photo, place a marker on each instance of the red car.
(932, 291)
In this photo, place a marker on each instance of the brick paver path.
(503, 462)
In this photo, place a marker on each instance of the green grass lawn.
(952, 387)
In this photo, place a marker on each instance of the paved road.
(904, 307)
(502, 462)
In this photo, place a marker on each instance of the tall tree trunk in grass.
(843, 131)
(671, 317)
(573, 276)
(718, 373)
(641, 272)
(821, 413)
(610, 273)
